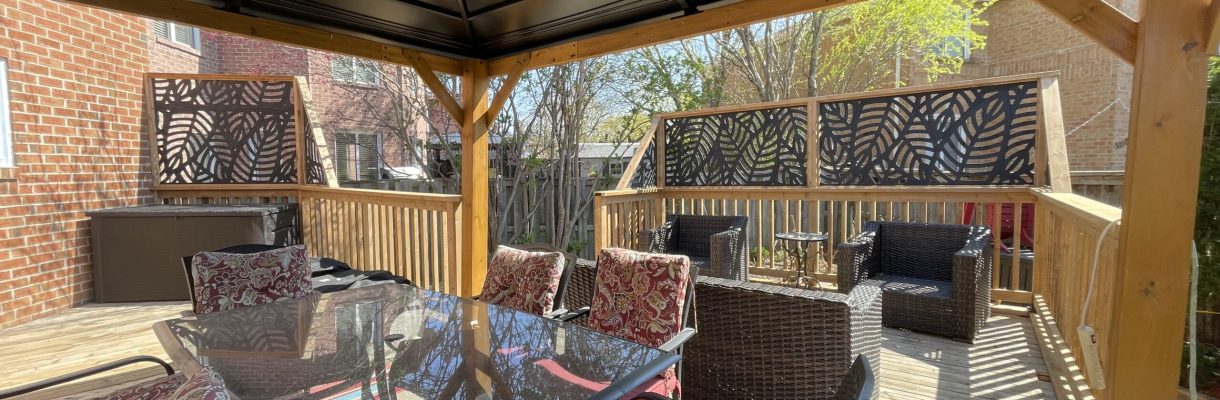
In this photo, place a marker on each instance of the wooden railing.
(408, 234)
(839, 211)
(1069, 227)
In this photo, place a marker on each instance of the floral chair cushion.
(523, 280)
(156, 389)
(204, 385)
(224, 281)
(639, 296)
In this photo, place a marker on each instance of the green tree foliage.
(1207, 218)
(865, 46)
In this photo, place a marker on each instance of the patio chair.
(718, 245)
(325, 274)
(677, 290)
(762, 341)
(289, 267)
(935, 278)
(171, 386)
(860, 383)
(513, 270)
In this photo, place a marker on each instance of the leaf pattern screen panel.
(224, 131)
(645, 175)
(974, 136)
(747, 148)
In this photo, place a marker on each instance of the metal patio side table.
(803, 240)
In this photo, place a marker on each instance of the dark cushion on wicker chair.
(717, 245)
(935, 278)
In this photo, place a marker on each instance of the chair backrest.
(758, 340)
(238, 249)
(525, 280)
(694, 232)
(859, 382)
(569, 264)
(617, 272)
(919, 250)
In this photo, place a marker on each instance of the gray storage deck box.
(137, 251)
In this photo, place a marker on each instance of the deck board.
(1004, 363)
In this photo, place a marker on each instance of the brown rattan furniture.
(936, 278)
(718, 245)
(762, 341)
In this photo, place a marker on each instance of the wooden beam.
(203, 16)
(1099, 21)
(667, 30)
(1159, 199)
(424, 69)
(474, 166)
(506, 90)
(1054, 137)
(629, 172)
(319, 138)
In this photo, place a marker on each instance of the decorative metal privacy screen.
(646, 172)
(224, 131)
(748, 148)
(974, 136)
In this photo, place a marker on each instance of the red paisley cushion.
(156, 389)
(204, 385)
(224, 281)
(639, 296)
(523, 280)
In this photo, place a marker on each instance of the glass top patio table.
(395, 341)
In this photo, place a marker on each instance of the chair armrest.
(856, 260)
(46, 383)
(678, 340)
(727, 258)
(973, 263)
(556, 313)
(573, 314)
(656, 240)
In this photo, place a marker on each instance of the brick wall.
(167, 56)
(76, 96)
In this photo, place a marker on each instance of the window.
(617, 167)
(177, 33)
(357, 156)
(354, 70)
(6, 126)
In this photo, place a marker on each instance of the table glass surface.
(335, 346)
(802, 236)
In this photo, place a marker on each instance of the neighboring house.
(605, 159)
(368, 126)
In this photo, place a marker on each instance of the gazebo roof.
(481, 29)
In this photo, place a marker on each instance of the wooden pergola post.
(475, 195)
(1159, 198)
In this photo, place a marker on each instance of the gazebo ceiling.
(482, 29)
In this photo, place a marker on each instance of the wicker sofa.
(935, 278)
(718, 245)
(763, 341)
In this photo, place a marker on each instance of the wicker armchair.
(718, 245)
(935, 278)
(761, 341)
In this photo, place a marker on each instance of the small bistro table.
(802, 241)
(396, 341)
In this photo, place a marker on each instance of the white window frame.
(6, 120)
(353, 78)
(172, 34)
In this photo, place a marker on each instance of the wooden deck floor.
(1004, 364)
